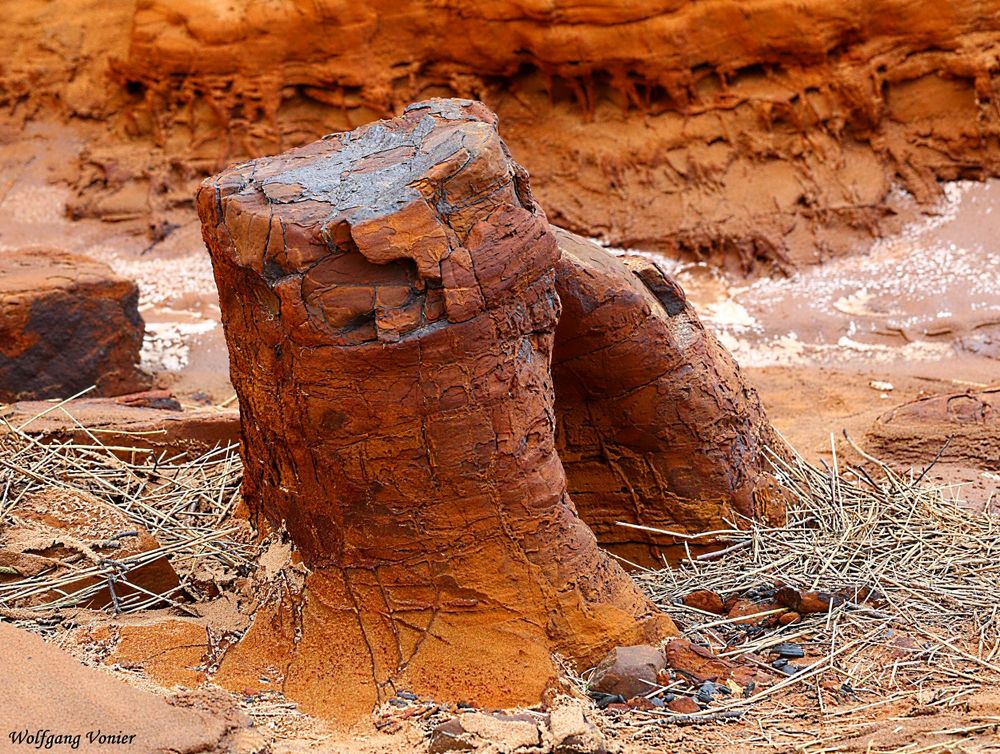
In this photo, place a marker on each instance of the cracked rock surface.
(657, 425)
(389, 301)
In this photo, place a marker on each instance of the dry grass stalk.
(931, 565)
(184, 502)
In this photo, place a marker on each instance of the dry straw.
(184, 503)
(930, 634)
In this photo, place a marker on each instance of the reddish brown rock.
(56, 527)
(700, 664)
(657, 426)
(683, 705)
(706, 601)
(628, 671)
(788, 618)
(807, 602)
(750, 612)
(388, 297)
(66, 323)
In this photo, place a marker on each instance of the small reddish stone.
(817, 602)
(788, 618)
(705, 600)
(640, 702)
(684, 705)
(748, 612)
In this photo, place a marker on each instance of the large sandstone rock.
(657, 426)
(389, 301)
(66, 323)
(747, 131)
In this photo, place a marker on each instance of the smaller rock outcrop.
(958, 428)
(656, 425)
(125, 424)
(67, 322)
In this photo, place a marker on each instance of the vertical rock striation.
(656, 424)
(389, 301)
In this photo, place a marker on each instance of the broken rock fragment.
(705, 600)
(477, 731)
(700, 664)
(572, 733)
(59, 531)
(66, 323)
(388, 297)
(628, 671)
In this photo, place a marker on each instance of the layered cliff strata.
(389, 302)
(753, 133)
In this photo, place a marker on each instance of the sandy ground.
(829, 349)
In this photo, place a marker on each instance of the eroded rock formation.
(389, 301)
(656, 424)
(767, 132)
(962, 428)
(66, 323)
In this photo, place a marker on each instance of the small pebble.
(707, 692)
(787, 649)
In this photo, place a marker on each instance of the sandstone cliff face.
(765, 132)
(389, 302)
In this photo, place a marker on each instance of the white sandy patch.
(167, 346)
